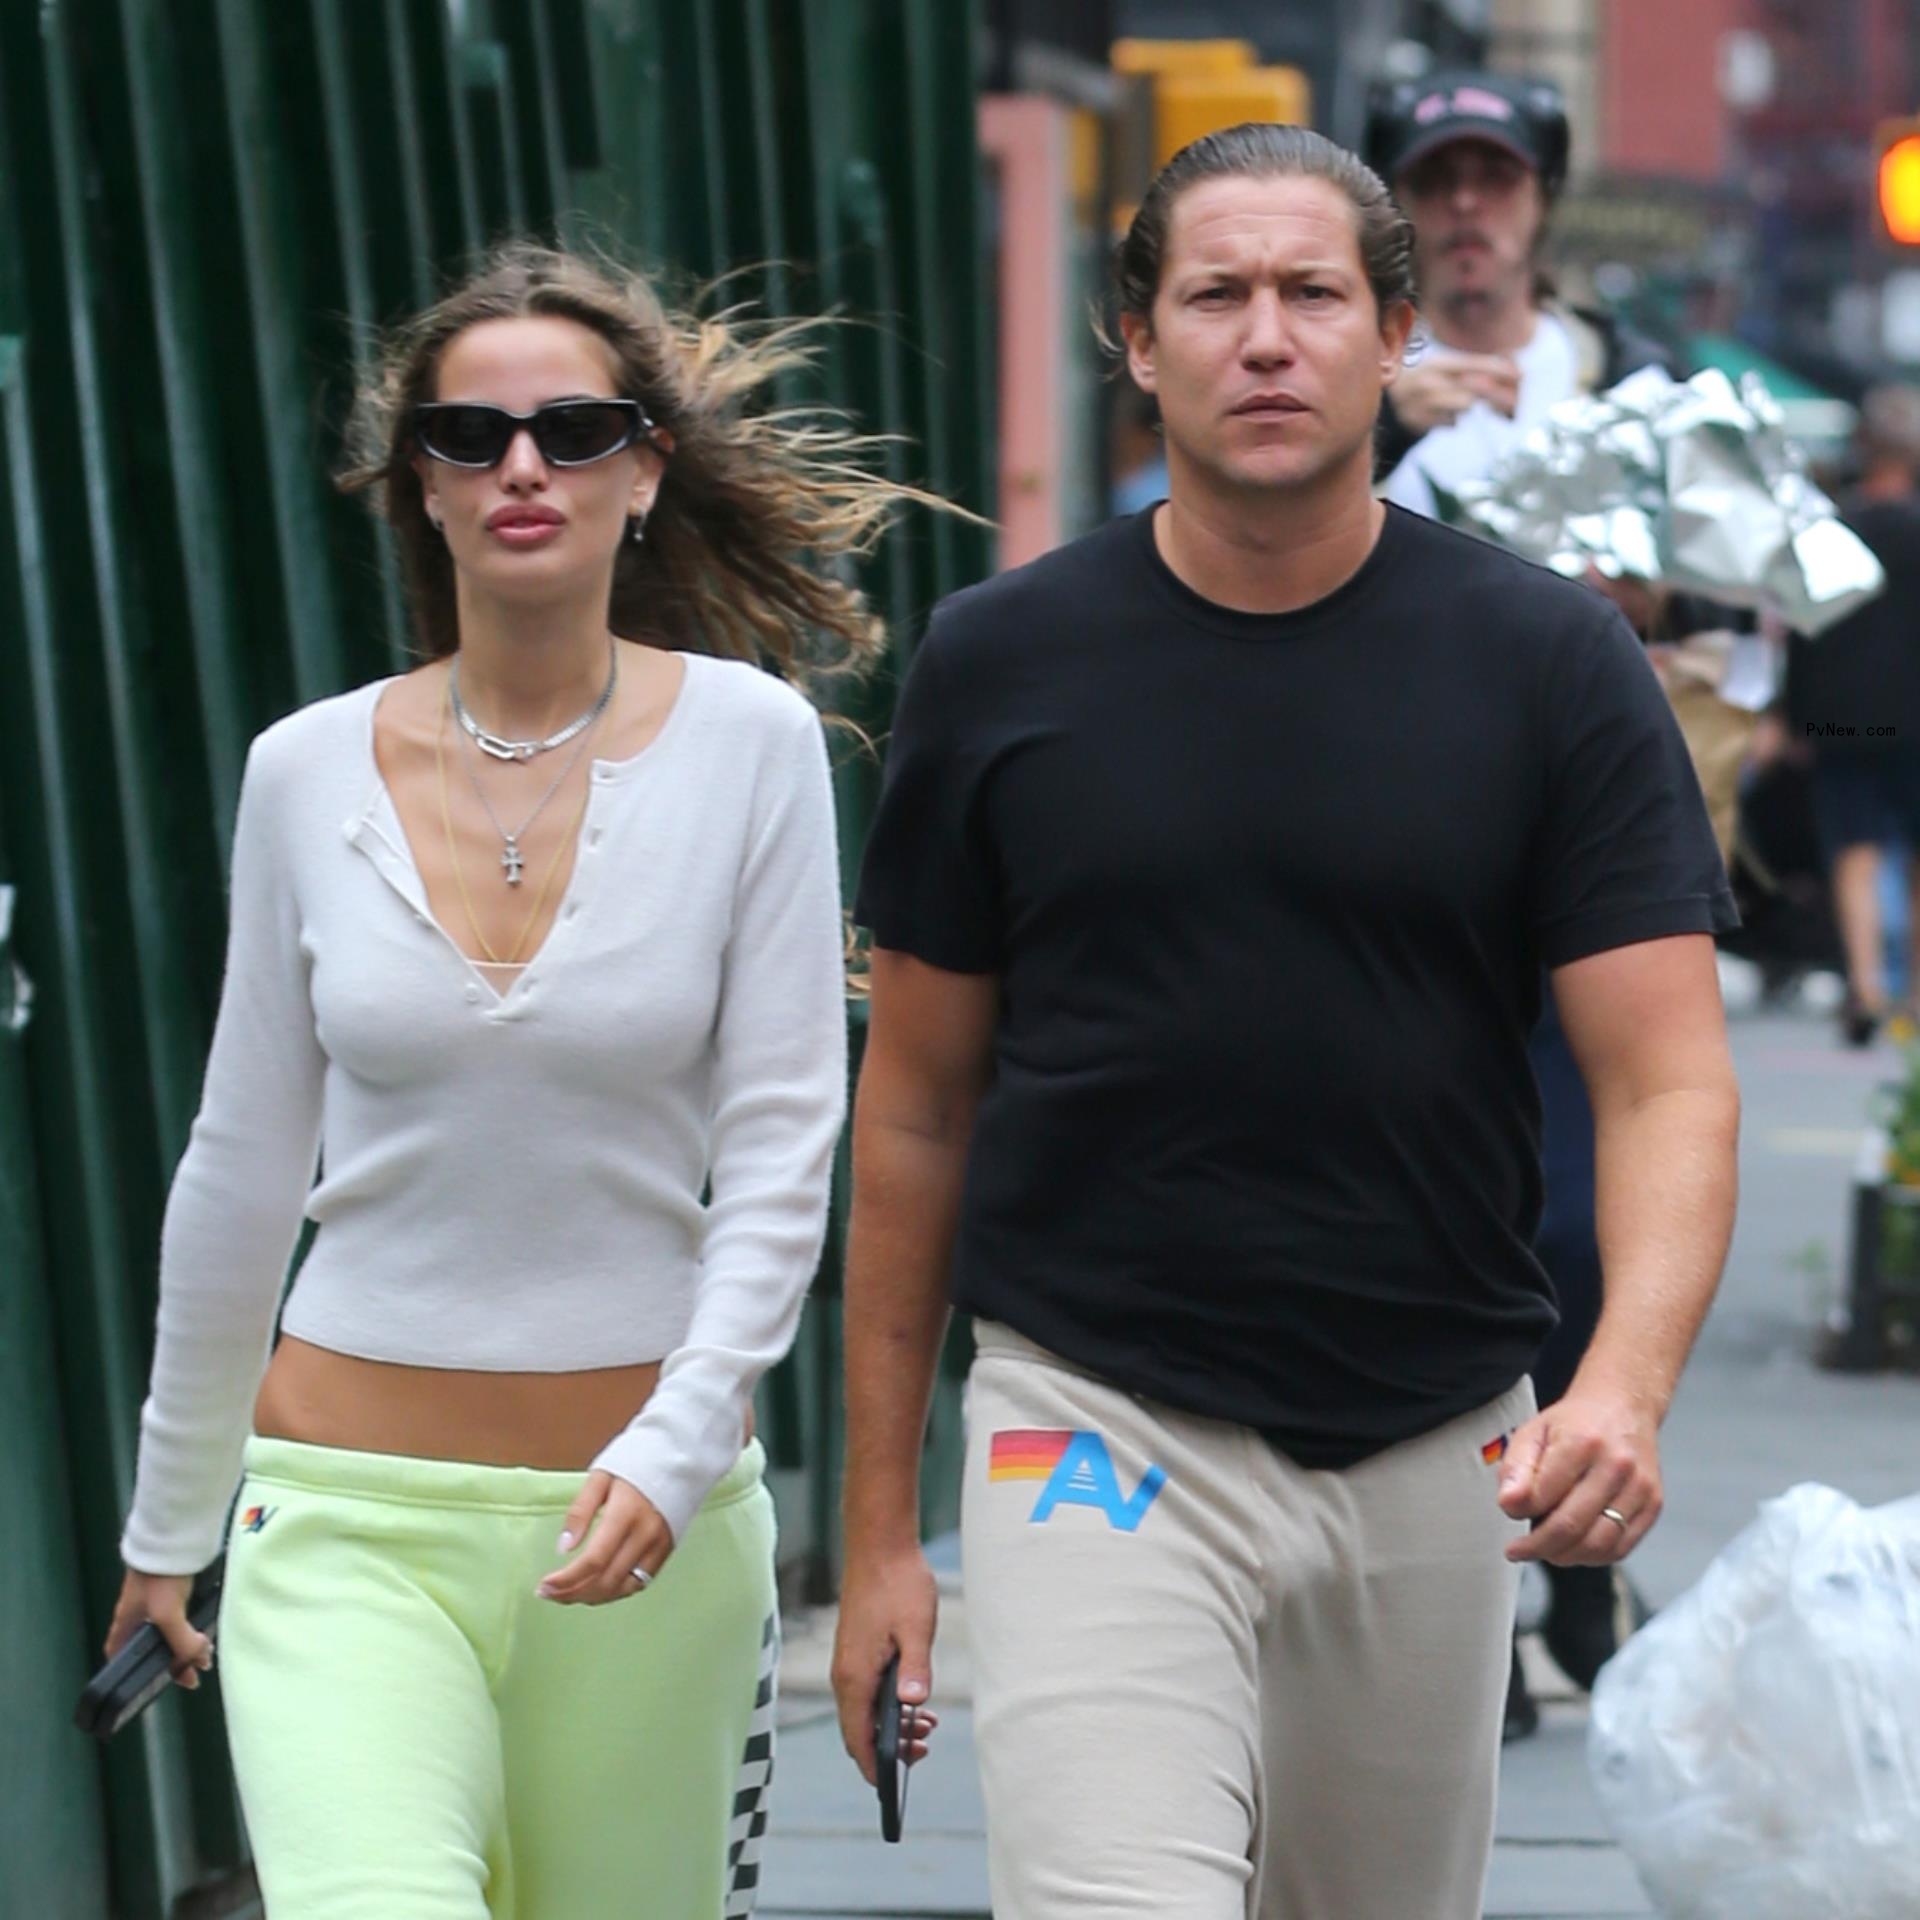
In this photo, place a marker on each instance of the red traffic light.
(1900, 188)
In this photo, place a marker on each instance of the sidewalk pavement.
(825, 1859)
(1753, 1417)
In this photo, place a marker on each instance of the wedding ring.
(1614, 1514)
(646, 1579)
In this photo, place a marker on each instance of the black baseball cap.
(1411, 118)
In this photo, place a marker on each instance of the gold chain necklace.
(453, 855)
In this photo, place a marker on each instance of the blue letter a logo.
(1085, 1478)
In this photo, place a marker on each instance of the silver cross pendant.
(512, 861)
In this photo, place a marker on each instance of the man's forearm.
(907, 1188)
(1665, 1182)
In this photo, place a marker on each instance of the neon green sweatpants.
(417, 1736)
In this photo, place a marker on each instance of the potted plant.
(1879, 1322)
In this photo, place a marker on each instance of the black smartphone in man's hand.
(893, 1728)
(140, 1672)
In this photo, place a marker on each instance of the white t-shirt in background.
(1475, 443)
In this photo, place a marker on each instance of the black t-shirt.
(1269, 897)
(1864, 671)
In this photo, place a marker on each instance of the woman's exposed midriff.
(554, 1420)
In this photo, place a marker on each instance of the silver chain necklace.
(502, 748)
(512, 860)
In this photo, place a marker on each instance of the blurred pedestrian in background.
(1476, 159)
(1853, 702)
(538, 948)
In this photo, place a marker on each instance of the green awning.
(1811, 414)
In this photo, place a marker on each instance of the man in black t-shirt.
(1217, 862)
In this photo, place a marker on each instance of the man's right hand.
(162, 1598)
(886, 1603)
(1436, 393)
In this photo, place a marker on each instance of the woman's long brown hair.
(762, 506)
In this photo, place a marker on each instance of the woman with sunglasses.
(537, 951)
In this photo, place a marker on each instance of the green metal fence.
(205, 208)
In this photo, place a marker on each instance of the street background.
(208, 211)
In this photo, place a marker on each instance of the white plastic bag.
(1756, 1746)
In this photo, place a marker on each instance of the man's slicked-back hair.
(1266, 150)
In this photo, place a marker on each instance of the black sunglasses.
(569, 433)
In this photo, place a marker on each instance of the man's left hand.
(1586, 1472)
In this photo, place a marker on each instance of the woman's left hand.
(628, 1533)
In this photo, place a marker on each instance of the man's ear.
(1396, 329)
(1138, 334)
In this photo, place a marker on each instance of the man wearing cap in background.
(1476, 159)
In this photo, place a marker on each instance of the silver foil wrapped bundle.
(1692, 485)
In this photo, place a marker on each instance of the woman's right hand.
(162, 1598)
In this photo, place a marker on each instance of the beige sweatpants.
(1212, 1685)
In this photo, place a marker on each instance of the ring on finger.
(1614, 1514)
(641, 1575)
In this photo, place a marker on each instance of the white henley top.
(622, 1156)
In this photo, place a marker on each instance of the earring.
(437, 526)
(636, 527)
